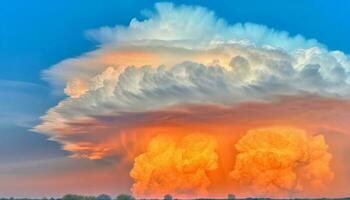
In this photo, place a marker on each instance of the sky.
(43, 63)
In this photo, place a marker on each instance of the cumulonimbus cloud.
(164, 61)
(179, 57)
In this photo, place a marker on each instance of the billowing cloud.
(164, 61)
(257, 77)
(195, 27)
(184, 67)
(281, 161)
(175, 167)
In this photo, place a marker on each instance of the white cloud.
(179, 29)
(196, 27)
(186, 55)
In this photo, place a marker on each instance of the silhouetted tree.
(103, 197)
(125, 197)
(231, 196)
(168, 197)
(72, 197)
(77, 197)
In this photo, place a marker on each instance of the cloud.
(116, 135)
(279, 161)
(175, 167)
(137, 89)
(184, 69)
(169, 35)
(195, 27)
(165, 61)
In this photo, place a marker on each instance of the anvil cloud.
(183, 64)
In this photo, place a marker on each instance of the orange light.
(178, 167)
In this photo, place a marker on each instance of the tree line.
(101, 197)
(80, 197)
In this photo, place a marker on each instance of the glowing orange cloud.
(272, 161)
(122, 138)
(282, 161)
(175, 166)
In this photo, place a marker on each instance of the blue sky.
(36, 34)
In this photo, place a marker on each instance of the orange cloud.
(121, 138)
(175, 167)
(280, 161)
